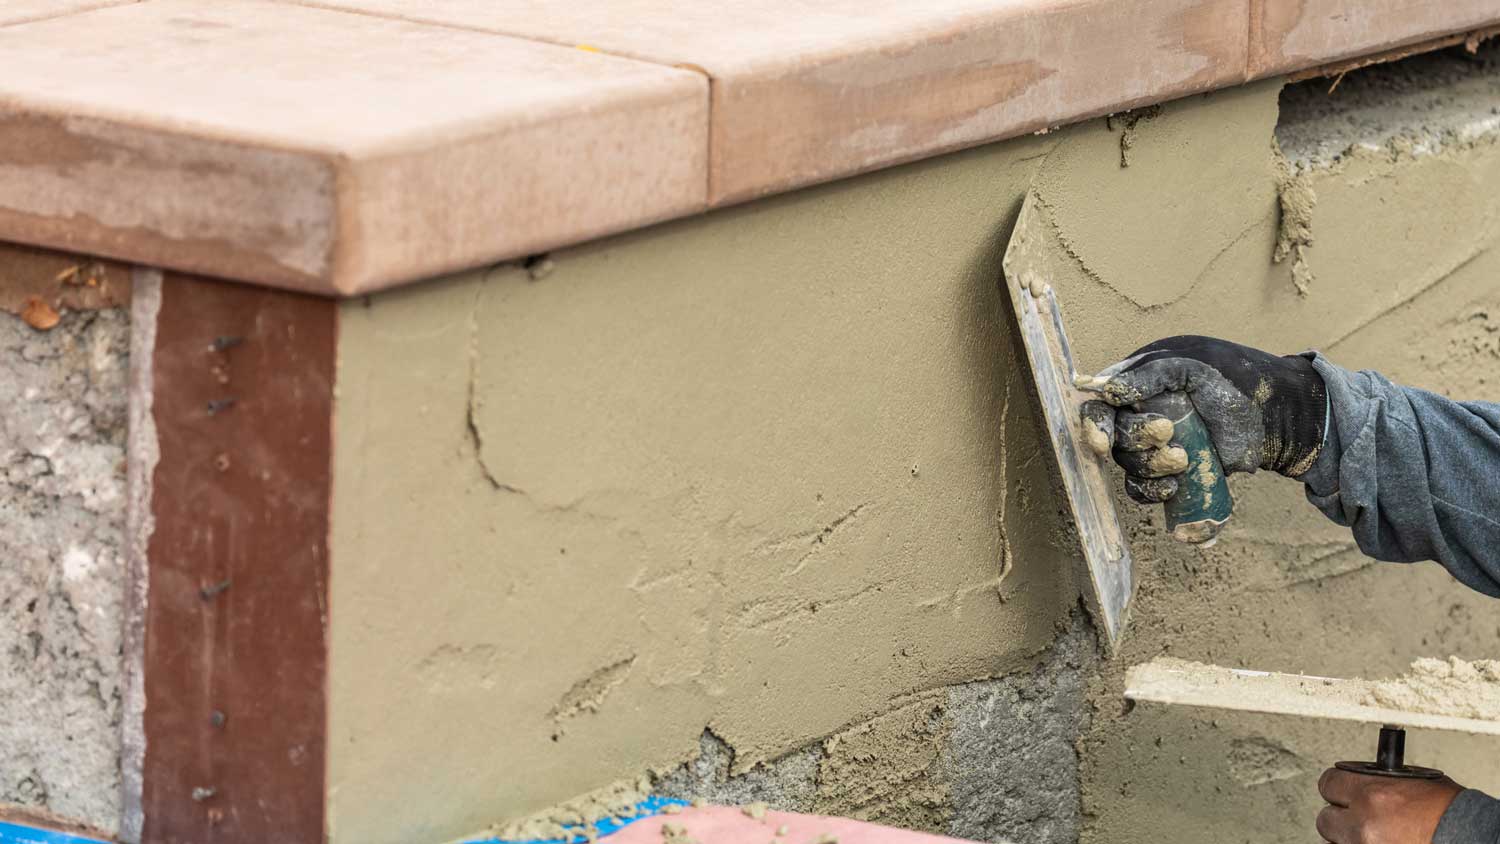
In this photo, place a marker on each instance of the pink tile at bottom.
(731, 825)
(22, 11)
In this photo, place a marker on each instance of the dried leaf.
(40, 315)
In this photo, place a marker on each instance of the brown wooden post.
(236, 609)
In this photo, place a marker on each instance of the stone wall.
(62, 438)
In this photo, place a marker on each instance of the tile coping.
(339, 147)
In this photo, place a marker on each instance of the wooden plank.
(236, 616)
(1181, 683)
(60, 280)
(1470, 40)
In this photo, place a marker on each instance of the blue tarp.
(644, 809)
(16, 834)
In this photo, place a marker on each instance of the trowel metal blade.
(1111, 582)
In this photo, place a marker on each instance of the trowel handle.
(1202, 504)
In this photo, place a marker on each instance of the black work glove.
(1262, 411)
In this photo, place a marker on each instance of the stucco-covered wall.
(766, 482)
(768, 472)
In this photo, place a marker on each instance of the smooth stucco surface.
(772, 472)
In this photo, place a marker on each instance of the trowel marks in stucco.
(62, 436)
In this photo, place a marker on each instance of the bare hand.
(1382, 810)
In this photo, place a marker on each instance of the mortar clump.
(579, 817)
(1453, 687)
(672, 833)
(1294, 232)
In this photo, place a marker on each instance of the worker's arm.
(1410, 472)
(1364, 808)
(1473, 816)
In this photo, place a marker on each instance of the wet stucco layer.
(769, 473)
(763, 490)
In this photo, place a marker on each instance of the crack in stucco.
(473, 402)
(1007, 554)
(1068, 248)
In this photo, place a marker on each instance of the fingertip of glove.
(1099, 441)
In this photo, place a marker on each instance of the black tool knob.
(1390, 759)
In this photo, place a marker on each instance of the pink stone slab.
(330, 152)
(731, 825)
(343, 146)
(811, 90)
(1288, 35)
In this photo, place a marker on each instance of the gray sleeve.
(1472, 818)
(1416, 476)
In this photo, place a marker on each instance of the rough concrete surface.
(991, 760)
(1423, 103)
(773, 472)
(62, 436)
(1013, 759)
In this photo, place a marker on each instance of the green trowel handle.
(1202, 504)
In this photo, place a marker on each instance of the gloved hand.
(1262, 411)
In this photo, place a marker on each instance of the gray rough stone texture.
(789, 783)
(62, 436)
(1422, 104)
(1013, 763)
(1009, 764)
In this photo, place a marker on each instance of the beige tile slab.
(960, 82)
(809, 90)
(329, 151)
(23, 11)
(1289, 35)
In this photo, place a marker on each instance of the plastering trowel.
(1111, 583)
(1202, 503)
